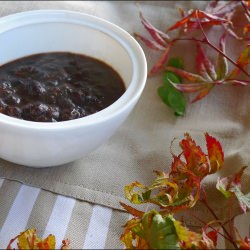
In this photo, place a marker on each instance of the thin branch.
(222, 226)
(205, 223)
(206, 41)
(230, 224)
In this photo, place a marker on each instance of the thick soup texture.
(58, 86)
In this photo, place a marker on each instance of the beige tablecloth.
(142, 144)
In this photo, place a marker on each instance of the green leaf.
(176, 62)
(170, 95)
(222, 65)
(159, 232)
(177, 102)
(169, 77)
(146, 195)
(185, 235)
(163, 92)
(222, 186)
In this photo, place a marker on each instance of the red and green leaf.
(131, 195)
(29, 240)
(242, 61)
(215, 153)
(188, 238)
(160, 37)
(204, 65)
(222, 185)
(135, 212)
(195, 157)
(236, 82)
(194, 78)
(232, 185)
(222, 64)
(151, 44)
(204, 92)
(207, 18)
(161, 62)
(181, 187)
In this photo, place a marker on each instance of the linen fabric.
(85, 225)
(142, 144)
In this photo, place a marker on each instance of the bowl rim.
(127, 41)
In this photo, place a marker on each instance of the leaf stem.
(218, 50)
(222, 226)
(230, 224)
(206, 42)
(205, 223)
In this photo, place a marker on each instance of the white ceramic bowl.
(39, 144)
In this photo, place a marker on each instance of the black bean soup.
(57, 86)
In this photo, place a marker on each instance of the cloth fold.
(142, 144)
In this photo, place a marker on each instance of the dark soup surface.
(57, 86)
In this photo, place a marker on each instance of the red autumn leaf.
(194, 78)
(151, 44)
(195, 158)
(244, 57)
(192, 87)
(203, 16)
(204, 65)
(242, 61)
(209, 239)
(237, 82)
(215, 153)
(29, 240)
(246, 28)
(203, 82)
(132, 210)
(181, 11)
(161, 62)
(177, 164)
(213, 235)
(204, 92)
(160, 37)
(194, 177)
(244, 244)
(202, 88)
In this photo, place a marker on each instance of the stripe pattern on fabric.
(86, 225)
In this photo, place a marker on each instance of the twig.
(222, 226)
(206, 41)
(230, 224)
(205, 223)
